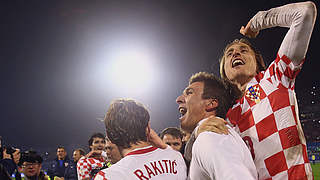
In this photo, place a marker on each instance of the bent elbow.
(310, 11)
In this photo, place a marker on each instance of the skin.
(98, 144)
(174, 142)
(113, 152)
(76, 156)
(31, 169)
(240, 74)
(61, 153)
(237, 75)
(197, 107)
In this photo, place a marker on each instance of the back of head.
(215, 88)
(126, 121)
(173, 131)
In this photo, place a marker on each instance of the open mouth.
(182, 111)
(237, 62)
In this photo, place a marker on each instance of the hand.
(16, 156)
(6, 155)
(58, 178)
(213, 124)
(94, 153)
(247, 31)
(155, 140)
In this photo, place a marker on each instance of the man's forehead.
(195, 85)
(238, 45)
(98, 139)
(170, 137)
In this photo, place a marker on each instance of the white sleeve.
(220, 157)
(299, 17)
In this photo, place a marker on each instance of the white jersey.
(147, 163)
(220, 156)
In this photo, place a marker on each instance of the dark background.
(52, 89)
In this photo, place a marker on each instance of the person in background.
(95, 160)
(30, 165)
(71, 170)
(58, 166)
(113, 152)
(173, 137)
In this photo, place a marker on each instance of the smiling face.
(61, 153)
(98, 144)
(240, 64)
(192, 106)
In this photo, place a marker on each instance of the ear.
(211, 104)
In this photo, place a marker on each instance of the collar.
(142, 150)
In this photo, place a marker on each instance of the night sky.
(55, 60)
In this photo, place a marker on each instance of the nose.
(235, 52)
(180, 99)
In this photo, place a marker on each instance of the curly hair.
(126, 121)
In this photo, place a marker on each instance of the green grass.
(316, 171)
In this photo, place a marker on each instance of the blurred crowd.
(15, 164)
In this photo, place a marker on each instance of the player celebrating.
(88, 166)
(267, 114)
(127, 125)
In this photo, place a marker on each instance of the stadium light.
(131, 71)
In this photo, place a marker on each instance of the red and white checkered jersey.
(267, 120)
(86, 165)
(147, 163)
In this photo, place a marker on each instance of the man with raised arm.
(266, 115)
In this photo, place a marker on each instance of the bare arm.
(299, 17)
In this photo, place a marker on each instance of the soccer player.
(94, 161)
(214, 156)
(266, 115)
(128, 126)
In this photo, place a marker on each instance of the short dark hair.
(223, 91)
(30, 156)
(126, 121)
(95, 135)
(173, 131)
(259, 59)
(81, 151)
(61, 147)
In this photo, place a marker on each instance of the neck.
(140, 144)
(242, 82)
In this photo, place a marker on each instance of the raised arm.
(299, 17)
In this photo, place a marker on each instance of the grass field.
(316, 171)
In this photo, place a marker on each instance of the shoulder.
(213, 142)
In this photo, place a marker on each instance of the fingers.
(242, 30)
(155, 140)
